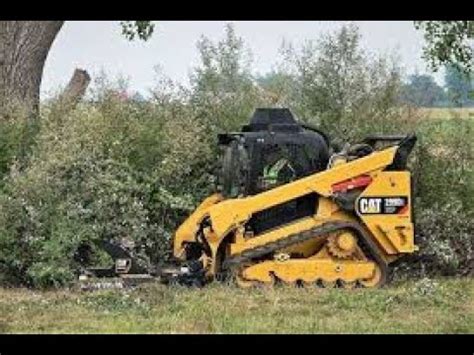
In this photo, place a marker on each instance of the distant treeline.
(422, 90)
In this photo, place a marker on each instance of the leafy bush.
(334, 83)
(73, 191)
(17, 131)
(444, 168)
(446, 234)
(109, 170)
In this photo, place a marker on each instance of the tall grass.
(425, 306)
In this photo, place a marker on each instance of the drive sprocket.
(342, 245)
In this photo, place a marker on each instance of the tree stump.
(75, 89)
(72, 94)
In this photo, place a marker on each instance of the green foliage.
(445, 240)
(422, 91)
(459, 86)
(17, 131)
(277, 86)
(443, 173)
(224, 92)
(100, 173)
(341, 87)
(444, 163)
(141, 29)
(225, 65)
(448, 42)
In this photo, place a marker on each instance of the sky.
(99, 45)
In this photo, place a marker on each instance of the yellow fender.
(188, 229)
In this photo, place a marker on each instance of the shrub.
(444, 168)
(334, 83)
(444, 235)
(17, 131)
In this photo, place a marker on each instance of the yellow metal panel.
(393, 232)
(310, 270)
(271, 236)
(187, 230)
(281, 232)
(230, 213)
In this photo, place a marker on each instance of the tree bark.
(75, 89)
(24, 46)
(72, 94)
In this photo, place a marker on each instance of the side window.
(278, 167)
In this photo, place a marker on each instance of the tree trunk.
(24, 46)
(72, 93)
(76, 88)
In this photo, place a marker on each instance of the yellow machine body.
(349, 247)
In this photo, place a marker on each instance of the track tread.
(248, 255)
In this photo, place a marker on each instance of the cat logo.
(383, 205)
(369, 205)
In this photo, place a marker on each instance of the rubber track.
(320, 231)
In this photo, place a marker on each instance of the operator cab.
(272, 150)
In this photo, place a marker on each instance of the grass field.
(447, 113)
(423, 306)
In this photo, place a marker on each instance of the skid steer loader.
(289, 209)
